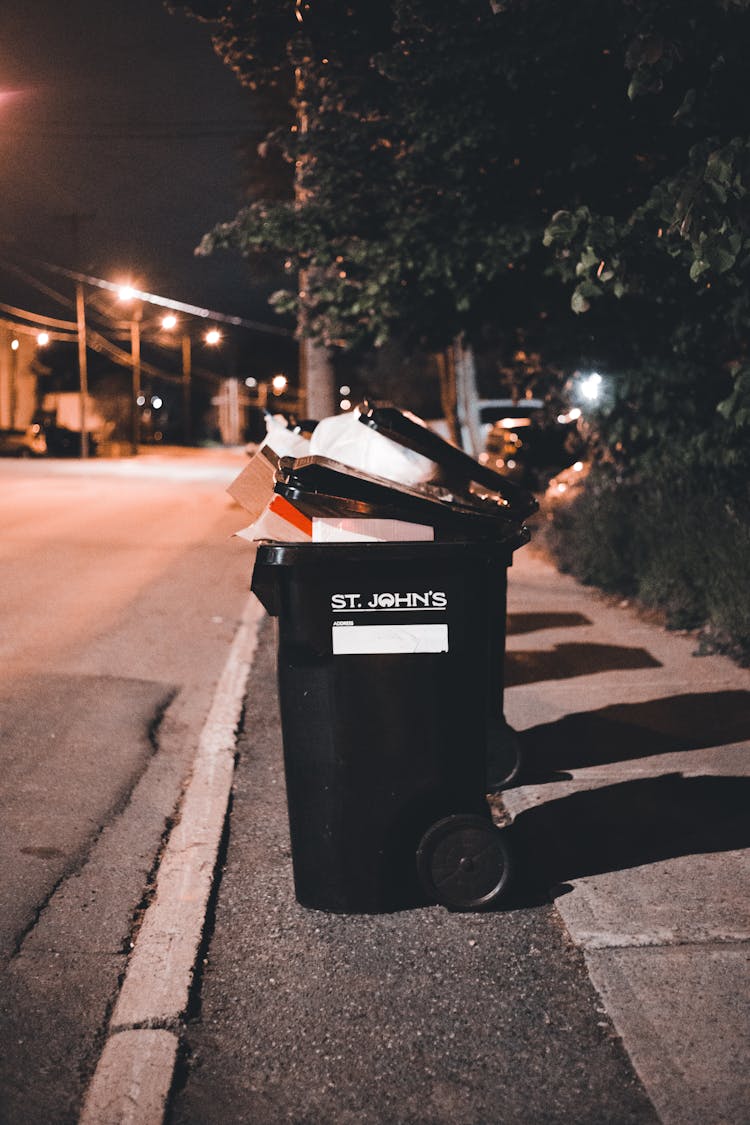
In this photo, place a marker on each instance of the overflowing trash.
(375, 474)
(253, 489)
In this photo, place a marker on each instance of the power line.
(94, 340)
(37, 318)
(162, 302)
(27, 330)
(35, 283)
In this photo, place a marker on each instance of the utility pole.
(13, 388)
(74, 221)
(187, 367)
(83, 377)
(135, 355)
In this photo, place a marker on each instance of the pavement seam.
(134, 1074)
(601, 944)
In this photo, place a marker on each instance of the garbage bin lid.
(321, 487)
(460, 469)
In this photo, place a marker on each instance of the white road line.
(133, 1077)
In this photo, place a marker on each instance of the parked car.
(527, 447)
(62, 442)
(30, 442)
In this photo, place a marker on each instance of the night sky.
(122, 114)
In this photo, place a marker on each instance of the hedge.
(677, 541)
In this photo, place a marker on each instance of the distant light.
(157, 402)
(562, 487)
(572, 416)
(141, 400)
(15, 345)
(213, 336)
(511, 464)
(279, 384)
(250, 382)
(345, 390)
(42, 339)
(513, 423)
(346, 404)
(169, 321)
(591, 386)
(578, 467)
(126, 293)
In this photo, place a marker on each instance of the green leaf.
(698, 268)
(578, 303)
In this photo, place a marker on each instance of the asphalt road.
(122, 590)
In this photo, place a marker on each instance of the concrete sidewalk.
(634, 812)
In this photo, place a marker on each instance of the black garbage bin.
(390, 687)
(390, 665)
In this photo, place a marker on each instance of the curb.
(133, 1077)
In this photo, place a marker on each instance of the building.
(18, 381)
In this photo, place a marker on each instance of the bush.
(679, 542)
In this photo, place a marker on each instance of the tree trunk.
(447, 375)
(317, 380)
(316, 374)
(467, 397)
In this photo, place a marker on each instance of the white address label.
(353, 640)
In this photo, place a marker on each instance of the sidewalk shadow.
(521, 623)
(565, 661)
(628, 825)
(624, 731)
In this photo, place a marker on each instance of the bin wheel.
(464, 862)
(505, 765)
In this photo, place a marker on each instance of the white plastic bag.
(344, 438)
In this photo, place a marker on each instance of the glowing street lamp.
(213, 337)
(279, 384)
(591, 386)
(42, 339)
(169, 322)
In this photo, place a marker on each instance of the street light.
(279, 384)
(591, 386)
(213, 337)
